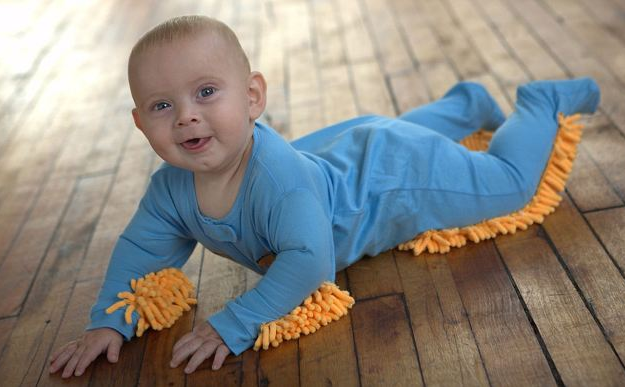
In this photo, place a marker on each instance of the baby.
(318, 203)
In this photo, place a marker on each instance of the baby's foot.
(485, 112)
(580, 95)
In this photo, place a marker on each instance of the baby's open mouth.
(195, 143)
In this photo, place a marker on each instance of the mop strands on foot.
(159, 298)
(544, 202)
(327, 304)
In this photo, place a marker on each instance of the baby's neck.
(216, 194)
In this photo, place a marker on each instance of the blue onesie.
(356, 188)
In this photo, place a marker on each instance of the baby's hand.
(201, 343)
(78, 354)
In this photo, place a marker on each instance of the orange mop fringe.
(544, 202)
(327, 304)
(159, 298)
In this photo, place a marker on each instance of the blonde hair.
(186, 26)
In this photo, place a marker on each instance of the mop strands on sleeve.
(159, 298)
(544, 202)
(327, 304)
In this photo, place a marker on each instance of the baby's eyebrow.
(206, 79)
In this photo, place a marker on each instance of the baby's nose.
(184, 121)
(187, 117)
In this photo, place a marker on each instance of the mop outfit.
(355, 188)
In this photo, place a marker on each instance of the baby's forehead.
(208, 44)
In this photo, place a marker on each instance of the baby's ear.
(135, 117)
(257, 93)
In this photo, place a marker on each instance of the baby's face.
(194, 103)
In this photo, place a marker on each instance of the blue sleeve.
(154, 239)
(301, 236)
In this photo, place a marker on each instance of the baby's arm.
(300, 234)
(153, 240)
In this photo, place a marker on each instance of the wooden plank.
(6, 327)
(573, 55)
(64, 149)
(609, 14)
(576, 344)
(462, 56)
(304, 120)
(499, 323)
(422, 42)
(227, 375)
(391, 51)
(384, 343)
(338, 99)
(448, 352)
(328, 36)
(279, 366)
(371, 91)
(327, 357)
(609, 226)
(354, 30)
(591, 34)
(71, 327)
(488, 44)
(439, 77)
(594, 273)
(409, 90)
(128, 188)
(249, 369)
(20, 266)
(39, 320)
(530, 52)
(374, 277)
(607, 148)
(588, 187)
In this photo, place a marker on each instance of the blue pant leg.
(525, 140)
(463, 187)
(465, 108)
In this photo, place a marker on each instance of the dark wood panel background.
(542, 307)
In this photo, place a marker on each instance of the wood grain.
(448, 352)
(374, 276)
(576, 344)
(384, 345)
(39, 320)
(497, 318)
(594, 272)
(609, 226)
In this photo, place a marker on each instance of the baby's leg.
(465, 108)
(525, 140)
(466, 187)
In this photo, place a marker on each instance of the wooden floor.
(543, 307)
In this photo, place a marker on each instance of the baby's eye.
(161, 106)
(206, 92)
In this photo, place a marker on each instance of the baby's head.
(195, 97)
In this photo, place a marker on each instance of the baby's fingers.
(87, 357)
(113, 352)
(61, 356)
(203, 353)
(183, 340)
(185, 351)
(71, 364)
(220, 356)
